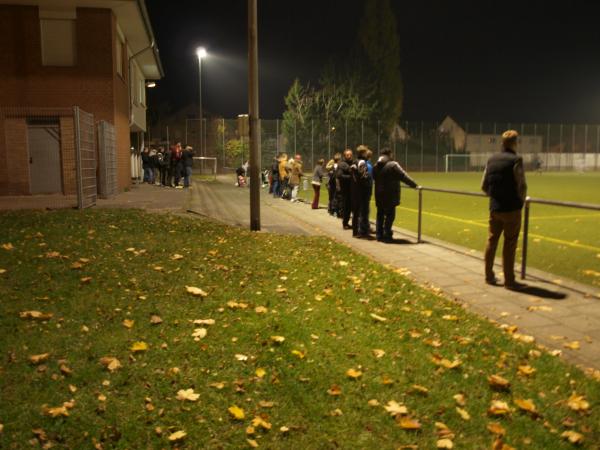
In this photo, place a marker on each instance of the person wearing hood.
(363, 187)
(344, 187)
(388, 174)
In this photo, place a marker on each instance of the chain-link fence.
(107, 153)
(418, 145)
(48, 158)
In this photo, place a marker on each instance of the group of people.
(350, 183)
(168, 167)
(351, 180)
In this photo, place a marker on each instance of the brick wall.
(16, 156)
(91, 84)
(67, 155)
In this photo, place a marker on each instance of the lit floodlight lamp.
(150, 84)
(201, 52)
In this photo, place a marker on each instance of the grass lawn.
(262, 355)
(572, 233)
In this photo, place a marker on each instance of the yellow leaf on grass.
(260, 310)
(260, 372)
(463, 414)
(444, 443)
(277, 339)
(395, 408)
(498, 408)
(378, 353)
(407, 423)
(139, 346)
(260, 422)
(236, 412)
(204, 322)
(572, 436)
(217, 385)
(177, 436)
(110, 363)
(128, 323)
(496, 428)
(354, 374)
(446, 363)
(187, 394)
(572, 345)
(526, 370)
(252, 443)
(56, 412)
(578, 402)
(176, 257)
(378, 318)
(196, 292)
(241, 357)
(37, 359)
(450, 317)
(459, 399)
(7, 246)
(334, 390)
(498, 382)
(299, 354)
(155, 320)
(420, 389)
(525, 405)
(35, 315)
(199, 333)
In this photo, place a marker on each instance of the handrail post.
(420, 189)
(525, 236)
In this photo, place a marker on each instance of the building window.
(58, 42)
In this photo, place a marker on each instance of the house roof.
(133, 20)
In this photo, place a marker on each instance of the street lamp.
(201, 53)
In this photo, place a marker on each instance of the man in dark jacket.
(188, 162)
(146, 164)
(344, 187)
(388, 174)
(362, 188)
(504, 182)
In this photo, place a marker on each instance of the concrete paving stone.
(465, 289)
(528, 320)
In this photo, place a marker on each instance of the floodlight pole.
(255, 181)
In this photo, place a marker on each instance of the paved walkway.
(554, 315)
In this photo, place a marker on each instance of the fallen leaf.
(373, 402)
(334, 390)
(354, 374)
(35, 315)
(444, 443)
(498, 408)
(260, 422)
(204, 322)
(139, 346)
(525, 405)
(85, 280)
(378, 353)
(539, 308)
(265, 404)
(341, 263)
(523, 338)
(395, 408)
(176, 257)
(407, 423)
(496, 428)
(450, 317)
(572, 345)
(378, 318)
(187, 394)
(578, 403)
(37, 359)
(7, 246)
(177, 436)
(463, 414)
(459, 399)
(446, 363)
(155, 320)
(236, 412)
(241, 357)
(196, 292)
(217, 385)
(65, 370)
(252, 443)
(420, 389)
(572, 436)
(128, 323)
(110, 363)
(277, 339)
(526, 370)
(498, 382)
(299, 354)
(199, 333)
(56, 412)
(260, 310)
(336, 412)
(260, 372)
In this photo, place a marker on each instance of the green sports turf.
(562, 241)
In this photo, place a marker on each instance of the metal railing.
(540, 201)
(528, 202)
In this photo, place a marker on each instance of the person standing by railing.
(388, 174)
(504, 182)
(344, 187)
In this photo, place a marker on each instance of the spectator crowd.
(169, 166)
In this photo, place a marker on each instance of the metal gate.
(107, 151)
(86, 158)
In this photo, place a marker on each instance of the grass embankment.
(568, 232)
(291, 317)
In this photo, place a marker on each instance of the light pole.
(201, 53)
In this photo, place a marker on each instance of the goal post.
(205, 167)
(455, 162)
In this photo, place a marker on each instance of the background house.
(93, 54)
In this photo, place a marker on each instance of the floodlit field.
(563, 241)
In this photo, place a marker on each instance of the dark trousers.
(331, 204)
(346, 207)
(385, 220)
(163, 175)
(178, 173)
(315, 202)
(362, 212)
(508, 223)
(276, 187)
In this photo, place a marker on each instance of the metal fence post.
(312, 147)
(378, 135)
(420, 220)
(76, 123)
(421, 146)
(345, 134)
(362, 131)
(525, 236)
(328, 140)
(277, 136)
(295, 137)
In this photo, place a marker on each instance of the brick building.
(94, 54)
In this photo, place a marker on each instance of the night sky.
(533, 61)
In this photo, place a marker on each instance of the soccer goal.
(205, 167)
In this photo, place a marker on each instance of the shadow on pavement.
(401, 242)
(543, 293)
